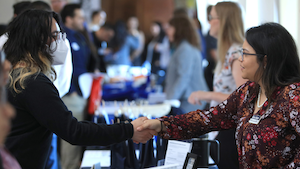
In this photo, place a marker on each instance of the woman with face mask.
(35, 42)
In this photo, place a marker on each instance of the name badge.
(254, 119)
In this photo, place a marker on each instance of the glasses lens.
(60, 36)
(241, 53)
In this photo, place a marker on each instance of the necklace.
(258, 99)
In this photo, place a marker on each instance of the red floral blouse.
(272, 143)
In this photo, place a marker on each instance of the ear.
(68, 19)
(265, 61)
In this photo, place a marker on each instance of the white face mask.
(60, 54)
(60, 50)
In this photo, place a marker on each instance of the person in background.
(132, 27)
(101, 38)
(203, 40)
(184, 73)
(264, 110)
(20, 7)
(211, 55)
(31, 49)
(58, 5)
(98, 19)
(121, 44)
(226, 25)
(158, 51)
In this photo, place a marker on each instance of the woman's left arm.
(196, 123)
(294, 117)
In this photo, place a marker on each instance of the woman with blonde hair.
(226, 24)
(36, 42)
(184, 73)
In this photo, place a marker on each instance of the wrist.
(161, 127)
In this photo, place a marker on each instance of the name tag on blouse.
(254, 119)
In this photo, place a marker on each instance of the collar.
(68, 30)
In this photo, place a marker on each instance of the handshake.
(145, 129)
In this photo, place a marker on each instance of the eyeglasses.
(242, 53)
(211, 17)
(59, 35)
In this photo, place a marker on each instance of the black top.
(39, 112)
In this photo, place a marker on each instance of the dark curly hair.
(28, 45)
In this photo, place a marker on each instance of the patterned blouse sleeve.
(223, 116)
(294, 116)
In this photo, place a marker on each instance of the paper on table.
(176, 152)
(170, 166)
(91, 157)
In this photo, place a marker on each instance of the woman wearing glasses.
(226, 25)
(264, 111)
(34, 43)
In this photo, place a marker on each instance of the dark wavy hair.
(185, 29)
(283, 66)
(27, 47)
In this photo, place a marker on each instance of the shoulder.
(233, 52)
(246, 87)
(292, 90)
(187, 47)
(39, 82)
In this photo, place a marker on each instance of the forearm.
(88, 133)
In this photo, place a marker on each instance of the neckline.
(258, 99)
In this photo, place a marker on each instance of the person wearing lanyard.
(264, 111)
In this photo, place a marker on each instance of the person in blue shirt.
(121, 44)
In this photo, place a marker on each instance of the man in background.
(58, 5)
(101, 37)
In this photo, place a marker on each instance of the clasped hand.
(145, 129)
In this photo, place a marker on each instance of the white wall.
(256, 12)
(289, 18)
(6, 9)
